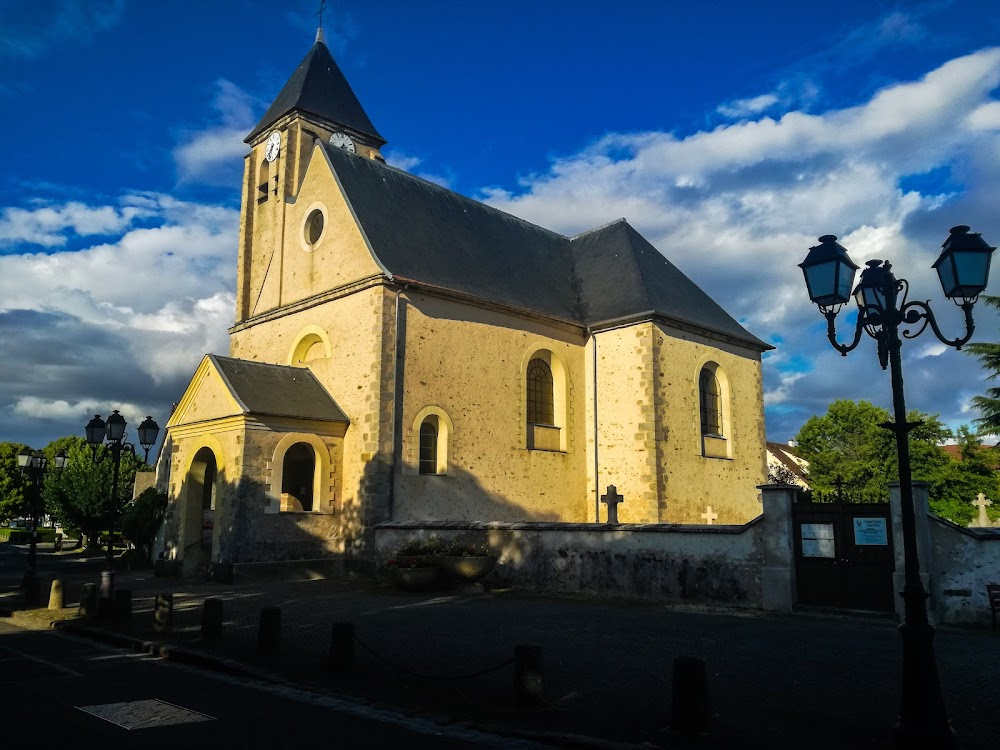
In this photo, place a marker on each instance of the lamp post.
(963, 269)
(114, 432)
(33, 465)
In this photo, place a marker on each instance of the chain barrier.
(426, 676)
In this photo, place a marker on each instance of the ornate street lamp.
(882, 308)
(33, 465)
(113, 431)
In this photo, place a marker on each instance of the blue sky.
(731, 134)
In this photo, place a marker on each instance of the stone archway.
(298, 478)
(201, 492)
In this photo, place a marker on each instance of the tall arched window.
(710, 397)
(540, 401)
(429, 445)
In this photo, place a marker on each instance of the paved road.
(55, 684)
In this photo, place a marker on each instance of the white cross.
(708, 515)
(981, 502)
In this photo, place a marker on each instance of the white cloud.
(745, 107)
(214, 155)
(47, 225)
(121, 324)
(738, 206)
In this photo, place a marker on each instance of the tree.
(142, 518)
(988, 355)
(14, 494)
(80, 494)
(960, 482)
(847, 444)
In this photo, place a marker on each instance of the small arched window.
(429, 446)
(710, 397)
(540, 401)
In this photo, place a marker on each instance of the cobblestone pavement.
(801, 681)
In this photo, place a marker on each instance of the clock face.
(273, 146)
(342, 140)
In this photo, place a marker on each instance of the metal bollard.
(56, 594)
(528, 685)
(123, 605)
(269, 633)
(88, 601)
(342, 647)
(211, 619)
(163, 613)
(690, 711)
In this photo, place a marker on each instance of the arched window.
(710, 397)
(298, 473)
(429, 445)
(540, 401)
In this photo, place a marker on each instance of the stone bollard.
(211, 619)
(269, 633)
(122, 610)
(528, 675)
(88, 601)
(690, 710)
(56, 594)
(163, 613)
(342, 647)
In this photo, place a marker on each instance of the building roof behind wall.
(277, 390)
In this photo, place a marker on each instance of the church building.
(404, 353)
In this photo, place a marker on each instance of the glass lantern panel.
(972, 270)
(946, 272)
(821, 280)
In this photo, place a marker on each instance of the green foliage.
(14, 494)
(988, 355)
(848, 443)
(80, 495)
(142, 518)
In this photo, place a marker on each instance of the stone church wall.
(349, 362)
(470, 363)
(690, 480)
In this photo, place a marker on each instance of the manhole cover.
(145, 714)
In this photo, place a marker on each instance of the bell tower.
(317, 103)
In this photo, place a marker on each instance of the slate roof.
(425, 233)
(319, 88)
(277, 390)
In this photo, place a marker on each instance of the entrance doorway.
(843, 555)
(297, 476)
(199, 522)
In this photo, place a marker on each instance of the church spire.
(318, 89)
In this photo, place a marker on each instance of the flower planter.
(469, 569)
(414, 579)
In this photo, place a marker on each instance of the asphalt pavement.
(816, 680)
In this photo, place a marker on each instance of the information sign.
(871, 531)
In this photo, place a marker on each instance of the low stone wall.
(707, 564)
(963, 561)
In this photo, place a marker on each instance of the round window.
(314, 227)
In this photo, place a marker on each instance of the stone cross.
(611, 498)
(982, 502)
(708, 515)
